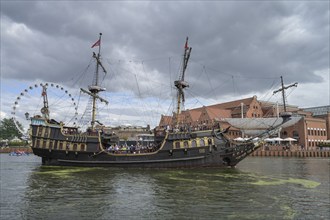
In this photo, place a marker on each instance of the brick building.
(312, 129)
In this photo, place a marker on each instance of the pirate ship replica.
(58, 144)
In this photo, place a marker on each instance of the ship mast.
(45, 109)
(95, 88)
(181, 84)
(282, 89)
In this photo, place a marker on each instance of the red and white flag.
(186, 45)
(97, 43)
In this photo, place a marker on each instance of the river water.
(258, 188)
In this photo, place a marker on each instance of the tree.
(8, 129)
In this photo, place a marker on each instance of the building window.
(44, 144)
(295, 134)
(193, 143)
(185, 144)
(40, 131)
(61, 146)
(201, 142)
(82, 147)
(38, 143)
(75, 146)
(46, 132)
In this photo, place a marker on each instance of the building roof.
(165, 120)
(267, 104)
(319, 110)
(235, 104)
(218, 113)
(195, 114)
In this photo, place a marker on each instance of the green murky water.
(259, 188)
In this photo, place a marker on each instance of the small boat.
(18, 153)
(58, 144)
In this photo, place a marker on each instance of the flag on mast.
(97, 43)
(186, 45)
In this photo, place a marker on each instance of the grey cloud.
(235, 44)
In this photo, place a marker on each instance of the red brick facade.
(309, 131)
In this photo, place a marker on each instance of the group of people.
(132, 149)
(186, 128)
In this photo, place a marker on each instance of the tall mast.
(98, 63)
(95, 88)
(181, 84)
(282, 89)
(45, 109)
(95, 91)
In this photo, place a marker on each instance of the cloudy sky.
(239, 49)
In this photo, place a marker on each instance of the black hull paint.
(85, 160)
(57, 146)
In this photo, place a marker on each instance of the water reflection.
(64, 191)
(258, 189)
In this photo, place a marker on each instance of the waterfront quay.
(291, 151)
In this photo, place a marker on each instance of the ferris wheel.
(46, 99)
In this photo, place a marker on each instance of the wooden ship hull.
(57, 145)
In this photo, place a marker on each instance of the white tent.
(278, 139)
(289, 139)
(269, 139)
(239, 139)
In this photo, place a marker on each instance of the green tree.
(8, 129)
